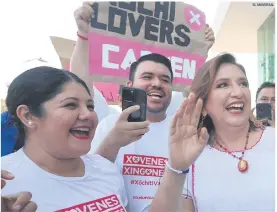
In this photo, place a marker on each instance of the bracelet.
(175, 170)
(82, 37)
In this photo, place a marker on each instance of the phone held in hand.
(135, 96)
(264, 111)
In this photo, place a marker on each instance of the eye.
(222, 85)
(245, 84)
(165, 80)
(146, 77)
(71, 106)
(90, 107)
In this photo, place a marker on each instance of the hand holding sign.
(185, 143)
(82, 17)
(209, 36)
(124, 132)
(19, 202)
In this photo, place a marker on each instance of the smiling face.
(155, 79)
(229, 99)
(267, 95)
(68, 123)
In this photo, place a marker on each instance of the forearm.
(79, 63)
(169, 194)
(108, 149)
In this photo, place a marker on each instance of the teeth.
(236, 105)
(82, 129)
(155, 94)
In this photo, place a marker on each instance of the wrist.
(82, 35)
(112, 142)
(176, 170)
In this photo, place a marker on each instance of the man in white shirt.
(140, 153)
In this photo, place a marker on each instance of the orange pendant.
(243, 166)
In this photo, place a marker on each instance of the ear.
(25, 116)
(129, 83)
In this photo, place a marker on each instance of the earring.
(30, 123)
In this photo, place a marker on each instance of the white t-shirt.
(215, 183)
(100, 189)
(141, 163)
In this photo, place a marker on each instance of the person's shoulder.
(11, 160)
(4, 117)
(269, 131)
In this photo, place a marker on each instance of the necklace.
(242, 164)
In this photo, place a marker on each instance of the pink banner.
(112, 56)
(109, 90)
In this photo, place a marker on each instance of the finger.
(30, 207)
(125, 113)
(196, 113)
(83, 14)
(182, 111)
(137, 125)
(203, 137)
(139, 132)
(21, 200)
(88, 11)
(189, 109)
(207, 28)
(174, 122)
(209, 36)
(90, 3)
(3, 183)
(6, 175)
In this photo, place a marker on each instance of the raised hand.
(209, 36)
(83, 17)
(124, 132)
(186, 142)
(19, 202)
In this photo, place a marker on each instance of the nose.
(85, 113)
(156, 82)
(236, 91)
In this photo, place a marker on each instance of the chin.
(80, 150)
(238, 122)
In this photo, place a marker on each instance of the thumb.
(203, 137)
(125, 113)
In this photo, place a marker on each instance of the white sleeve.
(102, 131)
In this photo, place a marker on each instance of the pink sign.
(113, 56)
(110, 91)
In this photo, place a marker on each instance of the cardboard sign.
(121, 32)
(110, 91)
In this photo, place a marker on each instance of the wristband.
(82, 37)
(175, 170)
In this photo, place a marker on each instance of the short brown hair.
(203, 81)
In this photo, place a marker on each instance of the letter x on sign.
(195, 18)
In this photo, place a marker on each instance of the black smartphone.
(263, 111)
(135, 96)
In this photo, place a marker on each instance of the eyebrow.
(149, 73)
(76, 99)
(226, 79)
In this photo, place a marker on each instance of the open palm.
(186, 142)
